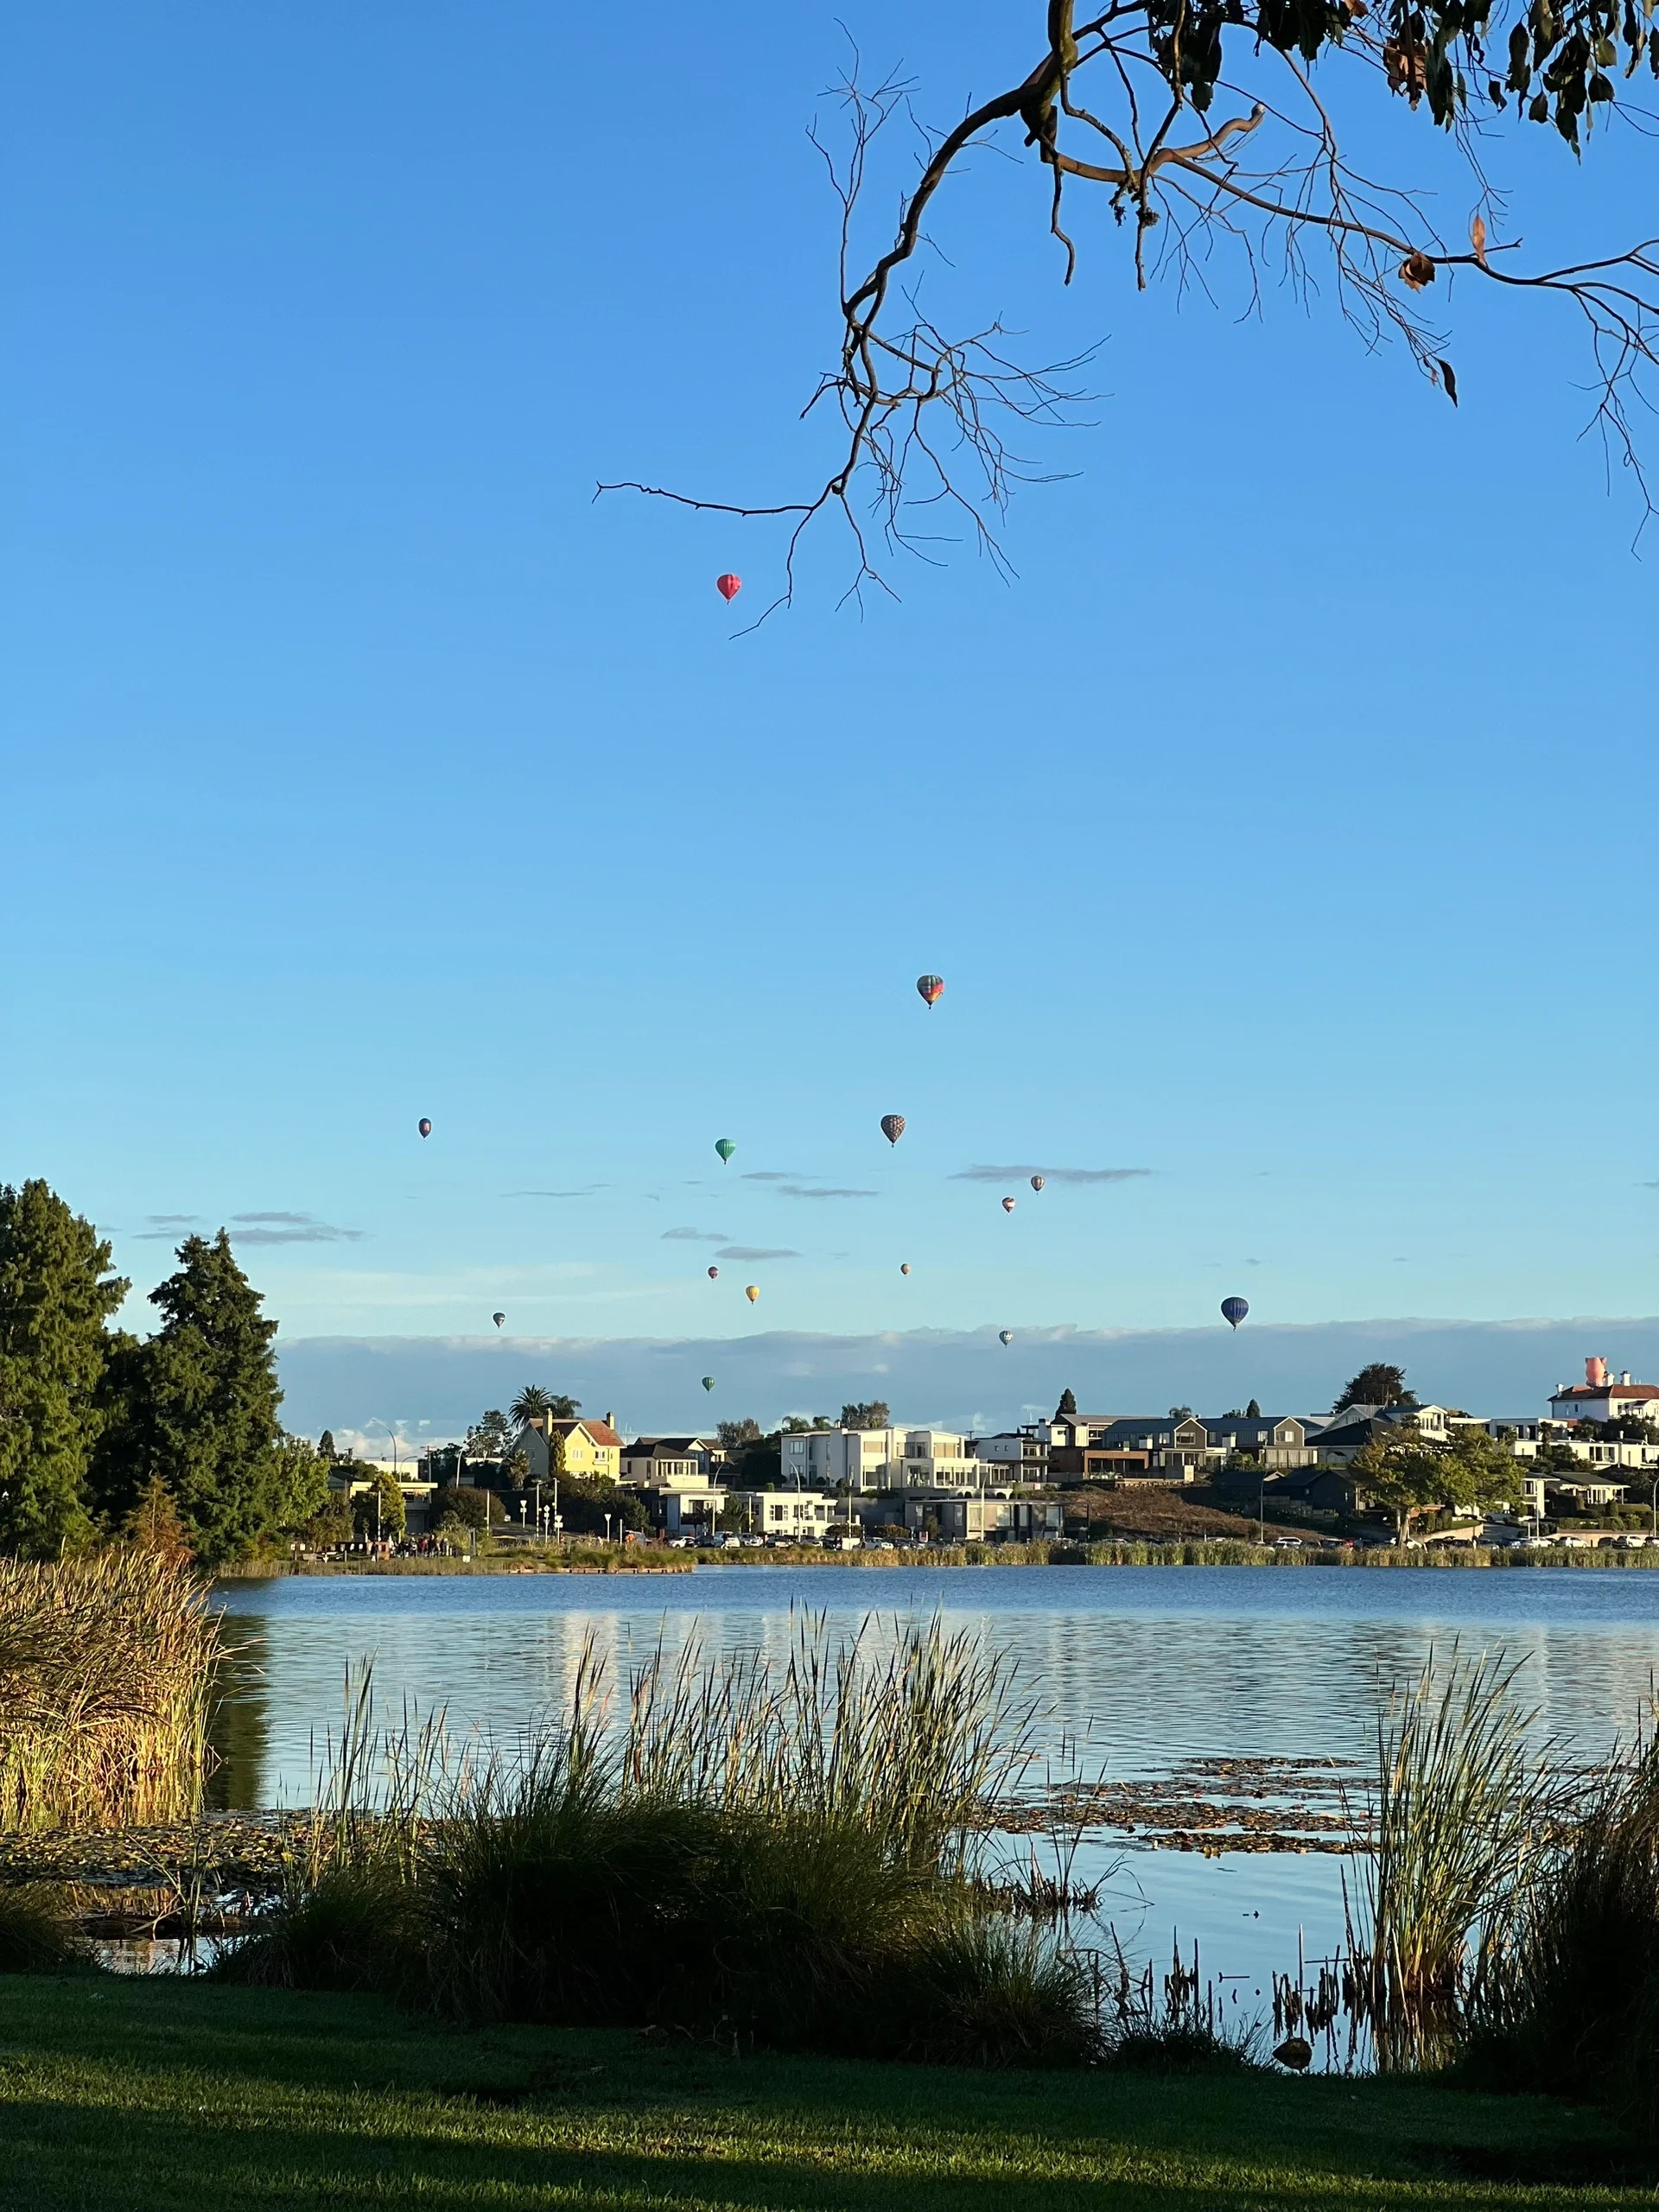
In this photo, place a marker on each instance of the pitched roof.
(600, 1431)
(1606, 1390)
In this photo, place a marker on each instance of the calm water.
(1146, 1668)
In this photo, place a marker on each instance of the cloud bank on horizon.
(433, 1388)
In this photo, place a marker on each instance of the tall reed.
(781, 1853)
(107, 1668)
(1464, 1807)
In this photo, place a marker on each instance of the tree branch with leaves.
(1120, 103)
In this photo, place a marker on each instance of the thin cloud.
(695, 1235)
(165, 1227)
(771, 1175)
(819, 1190)
(586, 1194)
(291, 1228)
(752, 1252)
(982, 1174)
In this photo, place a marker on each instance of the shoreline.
(1195, 1552)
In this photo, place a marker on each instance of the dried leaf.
(1449, 380)
(1416, 270)
(1477, 239)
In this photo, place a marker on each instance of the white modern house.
(870, 1459)
(1603, 1395)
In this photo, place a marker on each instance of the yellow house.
(593, 1450)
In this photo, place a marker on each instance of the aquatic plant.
(1463, 1807)
(106, 1665)
(784, 1854)
(37, 1930)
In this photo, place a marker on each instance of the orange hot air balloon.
(931, 987)
(425, 1125)
(904, 1267)
(1008, 1206)
(1036, 1182)
(752, 1290)
(893, 1126)
(728, 587)
(713, 1275)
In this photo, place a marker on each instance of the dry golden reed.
(106, 1667)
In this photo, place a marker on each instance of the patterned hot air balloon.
(498, 1319)
(931, 987)
(1008, 1206)
(751, 1291)
(713, 1275)
(724, 1147)
(728, 587)
(1005, 1336)
(1036, 1182)
(893, 1126)
(1233, 1310)
(425, 1125)
(904, 1267)
(708, 1382)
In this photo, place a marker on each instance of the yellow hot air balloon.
(752, 1290)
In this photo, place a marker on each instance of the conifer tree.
(56, 1293)
(202, 1397)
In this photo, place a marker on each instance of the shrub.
(350, 1930)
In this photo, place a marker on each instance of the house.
(1354, 1426)
(876, 1460)
(957, 1517)
(1313, 1491)
(1278, 1440)
(1174, 1447)
(800, 1515)
(593, 1450)
(1018, 1455)
(1604, 1396)
(669, 1462)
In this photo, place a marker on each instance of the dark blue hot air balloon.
(1233, 1310)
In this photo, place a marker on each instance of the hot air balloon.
(931, 987)
(1036, 1182)
(904, 1267)
(1005, 1336)
(713, 1275)
(1234, 1310)
(1008, 1206)
(708, 1382)
(724, 1147)
(498, 1319)
(425, 1125)
(751, 1291)
(893, 1126)
(728, 587)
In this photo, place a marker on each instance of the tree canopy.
(1376, 1384)
(871, 1414)
(199, 1406)
(56, 1294)
(1408, 1475)
(1216, 135)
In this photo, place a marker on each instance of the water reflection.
(1141, 1668)
(238, 1725)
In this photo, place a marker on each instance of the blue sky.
(1283, 829)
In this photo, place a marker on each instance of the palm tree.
(532, 1403)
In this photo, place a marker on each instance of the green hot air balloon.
(708, 1382)
(724, 1147)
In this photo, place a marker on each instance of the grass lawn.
(132, 2094)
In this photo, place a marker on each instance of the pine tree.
(154, 1524)
(201, 1399)
(56, 1296)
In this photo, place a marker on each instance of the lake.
(1154, 1674)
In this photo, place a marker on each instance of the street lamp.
(608, 1528)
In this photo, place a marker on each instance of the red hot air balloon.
(931, 987)
(425, 1125)
(1036, 1182)
(728, 587)
(893, 1126)
(1008, 1206)
(713, 1275)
